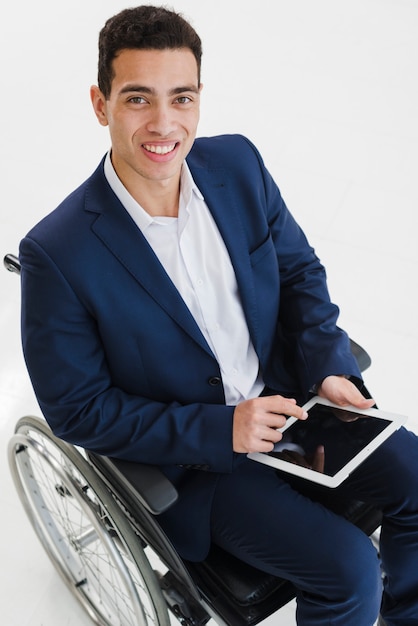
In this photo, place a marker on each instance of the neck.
(160, 200)
(156, 197)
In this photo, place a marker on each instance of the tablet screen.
(343, 434)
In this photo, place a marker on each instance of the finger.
(270, 434)
(318, 463)
(261, 445)
(294, 457)
(274, 421)
(286, 406)
(364, 403)
(356, 398)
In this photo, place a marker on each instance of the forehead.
(155, 68)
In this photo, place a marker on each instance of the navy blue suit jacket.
(117, 362)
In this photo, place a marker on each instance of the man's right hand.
(256, 422)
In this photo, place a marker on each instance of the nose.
(161, 121)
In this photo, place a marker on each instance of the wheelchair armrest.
(363, 359)
(145, 483)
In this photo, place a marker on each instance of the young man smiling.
(152, 112)
(174, 313)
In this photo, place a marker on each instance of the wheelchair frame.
(97, 519)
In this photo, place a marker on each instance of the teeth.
(160, 149)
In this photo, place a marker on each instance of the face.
(152, 113)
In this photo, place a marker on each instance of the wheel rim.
(77, 529)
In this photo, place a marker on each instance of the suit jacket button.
(214, 381)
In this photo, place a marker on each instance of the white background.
(328, 92)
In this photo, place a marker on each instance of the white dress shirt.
(193, 253)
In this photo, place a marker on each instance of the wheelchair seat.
(242, 594)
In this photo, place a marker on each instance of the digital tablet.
(327, 446)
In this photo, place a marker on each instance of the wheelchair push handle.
(12, 263)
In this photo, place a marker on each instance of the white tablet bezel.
(395, 420)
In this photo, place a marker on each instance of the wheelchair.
(97, 519)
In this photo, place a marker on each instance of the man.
(174, 313)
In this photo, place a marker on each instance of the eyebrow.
(133, 88)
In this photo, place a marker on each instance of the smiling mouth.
(159, 149)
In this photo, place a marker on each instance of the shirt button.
(214, 381)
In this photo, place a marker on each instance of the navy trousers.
(261, 519)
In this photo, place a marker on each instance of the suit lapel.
(219, 195)
(115, 228)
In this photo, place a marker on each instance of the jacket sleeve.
(70, 373)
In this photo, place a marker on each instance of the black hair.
(144, 27)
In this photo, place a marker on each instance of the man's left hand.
(341, 391)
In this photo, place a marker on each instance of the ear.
(99, 105)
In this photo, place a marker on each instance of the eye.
(137, 100)
(183, 100)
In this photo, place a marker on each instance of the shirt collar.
(143, 219)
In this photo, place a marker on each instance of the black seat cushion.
(246, 584)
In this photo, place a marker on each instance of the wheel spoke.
(80, 534)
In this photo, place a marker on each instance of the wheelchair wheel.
(83, 530)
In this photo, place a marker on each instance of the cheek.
(122, 130)
(192, 124)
